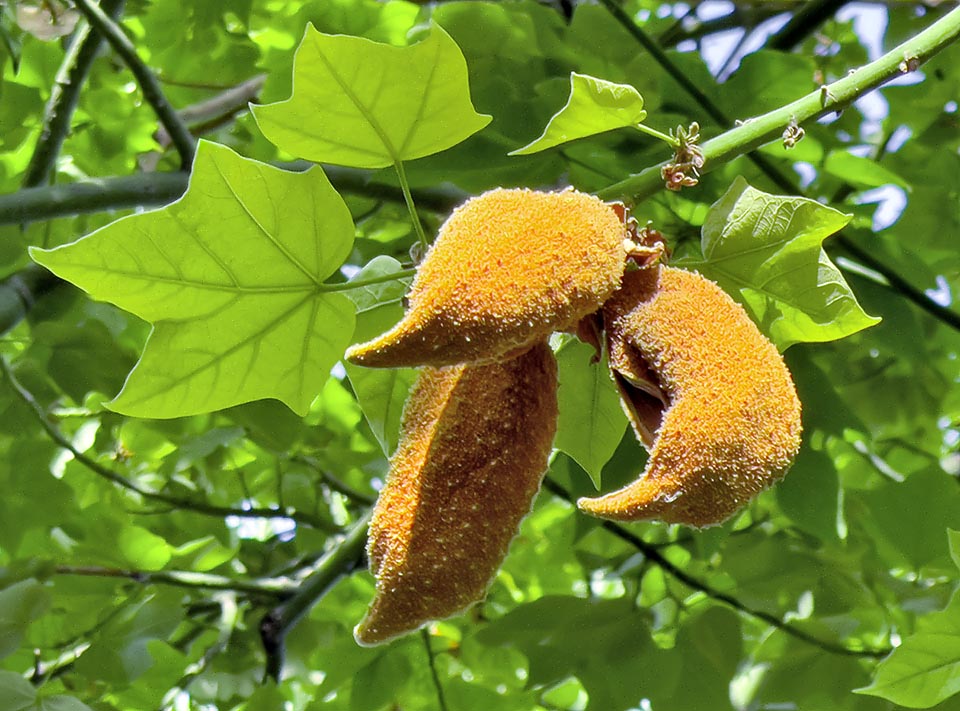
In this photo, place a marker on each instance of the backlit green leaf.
(369, 105)
(925, 669)
(595, 106)
(766, 251)
(591, 420)
(232, 278)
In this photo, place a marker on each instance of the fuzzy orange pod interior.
(705, 390)
(508, 268)
(474, 448)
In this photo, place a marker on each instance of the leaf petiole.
(408, 198)
(670, 140)
(360, 283)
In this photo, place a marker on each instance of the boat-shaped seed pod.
(508, 268)
(474, 447)
(706, 392)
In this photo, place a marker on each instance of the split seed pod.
(508, 268)
(474, 448)
(706, 392)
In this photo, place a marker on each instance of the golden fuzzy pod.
(730, 422)
(705, 391)
(474, 447)
(508, 268)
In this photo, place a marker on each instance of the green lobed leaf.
(369, 105)
(595, 106)
(925, 669)
(232, 278)
(591, 421)
(766, 251)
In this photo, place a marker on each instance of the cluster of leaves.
(162, 563)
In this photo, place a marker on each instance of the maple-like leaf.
(370, 105)
(232, 278)
(765, 251)
(595, 106)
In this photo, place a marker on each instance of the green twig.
(180, 135)
(282, 588)
(342, 558)
(831, 98)
(652, 553)
(360, 283)
(176, 502)
(64, 95)
(669, 140)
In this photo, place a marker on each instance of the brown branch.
(176, 502)
(652, 553)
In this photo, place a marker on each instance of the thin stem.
(273, 587)
(669, 140)
(341, 559)
(64, 96)
(431, 658)
(411, 206)
(653, 553)
(180, 135)
(177, 502)
(370, 281)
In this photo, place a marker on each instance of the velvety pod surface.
(474, 447)
(508, 268)
(730, 422)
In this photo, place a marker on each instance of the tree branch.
(345, 555)
(755, 132)
(804, 21)
(19, 292)
(183, 140)
(155, 189)
(64, 95)
(176, 502)
(281, 588)
(758, 131)
(652, 553)
(92, 195)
